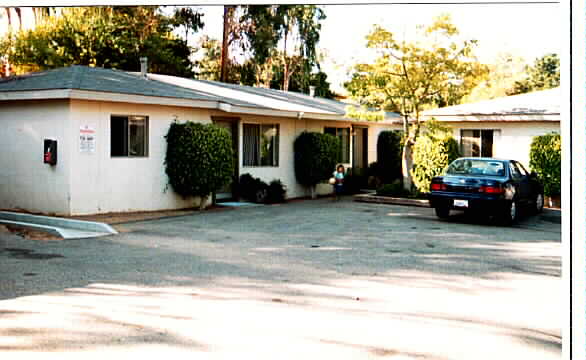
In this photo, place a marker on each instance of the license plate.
(461, 203)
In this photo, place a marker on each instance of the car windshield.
(474, 167)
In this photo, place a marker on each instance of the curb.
(66, 228)
(391, 200)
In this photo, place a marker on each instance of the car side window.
(522, 169)
(515, 173)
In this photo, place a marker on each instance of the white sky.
(525, 30)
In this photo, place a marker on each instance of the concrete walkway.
(311, 279)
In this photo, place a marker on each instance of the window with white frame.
(129, 136)
(478, 143)
(260, 144)
(344, 135)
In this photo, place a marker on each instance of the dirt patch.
(28, 233)
(120, 218)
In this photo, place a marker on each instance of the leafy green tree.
(199, 159)
(110, 37)
(544, 74)
(409, 77)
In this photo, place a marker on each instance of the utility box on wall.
(50, 152)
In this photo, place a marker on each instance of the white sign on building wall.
(87, 139)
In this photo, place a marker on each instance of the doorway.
(228, 191)
(360, 150)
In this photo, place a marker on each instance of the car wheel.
(510, 213)
(442, 212)
(538, 204)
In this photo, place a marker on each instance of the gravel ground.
(316, 279)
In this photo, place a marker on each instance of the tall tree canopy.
(110, 37)
(409, 77)
(544, 74)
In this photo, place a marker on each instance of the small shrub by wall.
(434, 149)
(255, 190)
(198, 159)
(545, 159)
(315, 157)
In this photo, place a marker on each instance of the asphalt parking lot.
(315, 279)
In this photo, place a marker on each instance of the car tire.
(510, 213)
(538, 206)
(442, 212)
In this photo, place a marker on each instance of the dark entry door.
(231, 124)
(360, 150)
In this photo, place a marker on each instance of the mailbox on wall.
(50, 152)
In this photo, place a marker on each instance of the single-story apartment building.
(106, 130)
(502, 127)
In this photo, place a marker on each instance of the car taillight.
(491, 189)
(438, 187)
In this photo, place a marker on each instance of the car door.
(521, 177)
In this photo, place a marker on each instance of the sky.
(525, 30)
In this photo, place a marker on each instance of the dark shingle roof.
(99, 79)
(79, 77)
(291, 97)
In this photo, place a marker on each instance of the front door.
(360, 151)
(231, 124)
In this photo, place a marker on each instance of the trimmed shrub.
(545, 159)
(276, 192)
(315, 157)
(353, 183)
(434, 150)
(199, 159)
(389, 148)
(255, 190)
(395, 189)
(252, 189)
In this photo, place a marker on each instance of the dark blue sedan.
(498, 188)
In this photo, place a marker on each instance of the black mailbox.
(50, 152)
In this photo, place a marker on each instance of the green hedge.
(389, 148)
(545, 159)
(315, 157)
(433, 151)
(199, 158)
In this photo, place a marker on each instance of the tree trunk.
(407, 164)
(224, 55)
(202, 202)
(313, 189)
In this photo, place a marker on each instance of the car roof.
(484, 159)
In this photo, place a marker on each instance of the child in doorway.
(339, 184)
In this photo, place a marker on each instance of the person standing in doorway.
(339, 184)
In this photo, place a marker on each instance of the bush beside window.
(199, 159)
(389, 149)
(315, 158)
(545, 159)
(434, 150)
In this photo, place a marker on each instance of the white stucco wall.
(101, 183)
(290, 128)
(515, 137)
(95, 182)
(25, 181)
